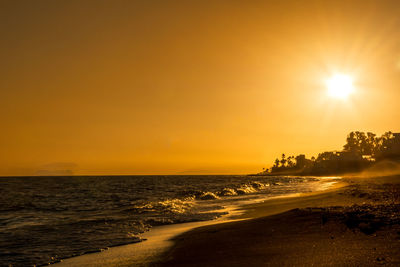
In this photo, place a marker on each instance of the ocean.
(46, 219)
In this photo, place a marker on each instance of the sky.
(189, 87)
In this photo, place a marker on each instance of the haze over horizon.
(176, 87)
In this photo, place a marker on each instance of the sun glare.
(340, 86)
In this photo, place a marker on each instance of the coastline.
(155, 243)
(354, 225)
(162, 239)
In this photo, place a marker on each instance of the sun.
(340, 86)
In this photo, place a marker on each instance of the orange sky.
(186, 87)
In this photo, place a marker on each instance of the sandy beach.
(356, 225)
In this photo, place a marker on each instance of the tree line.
(360, 151)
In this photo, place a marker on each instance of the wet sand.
(155, 243)
(357, 229)
(361, 228)
(160, 239)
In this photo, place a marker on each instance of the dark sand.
(361, 227)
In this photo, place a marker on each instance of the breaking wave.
(45, 219)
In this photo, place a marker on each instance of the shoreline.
(355, 225)
(160, 239)
(155, 242)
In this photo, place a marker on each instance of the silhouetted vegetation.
(362, 150)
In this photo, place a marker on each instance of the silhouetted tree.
(371, 144)
(277, 163)
(361, 143)
(290, 162)
(360, 151)
(283, 160)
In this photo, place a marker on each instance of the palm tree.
(290, 162)
(276, 163)
(283, 160)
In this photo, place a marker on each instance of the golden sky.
(188, 87)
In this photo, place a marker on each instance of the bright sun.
(340, 86)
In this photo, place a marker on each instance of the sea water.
(45, 219)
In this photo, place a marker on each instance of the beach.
(353, 223)
(81, 215)
(361, 228)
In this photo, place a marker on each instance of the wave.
(246, 188)
(186, 200)
(177, 206)
(227, 192)
(251, 188)
(99, 212)
(208, 196)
